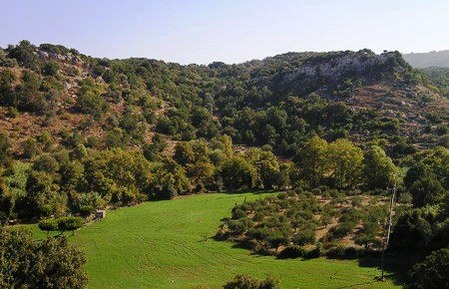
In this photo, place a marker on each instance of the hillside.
(429, 59)
(332, 131)
(279, 101)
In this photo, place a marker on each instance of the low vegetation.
(301, 224)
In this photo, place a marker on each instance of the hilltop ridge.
(278, 101)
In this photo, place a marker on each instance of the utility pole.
(388, 224)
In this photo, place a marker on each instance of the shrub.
(248, 282)
(238, 213)
(305, 237)
(70, 223)
(343, 229)
(48, 225)
(50, 68)
(291, 252)
(314, 253)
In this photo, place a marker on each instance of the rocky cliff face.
(335, 70)
(303, 73)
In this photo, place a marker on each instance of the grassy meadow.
(168, 244)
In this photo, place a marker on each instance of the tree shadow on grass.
(247, 191)
(396, 267)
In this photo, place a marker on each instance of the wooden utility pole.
(388, 224)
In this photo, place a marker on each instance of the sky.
(232, 31)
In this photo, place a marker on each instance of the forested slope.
(280, 101)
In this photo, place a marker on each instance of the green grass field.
(167, 244)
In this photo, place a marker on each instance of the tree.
(312, 160)
(223, 143)
(115, 138)
(52, 263)
(184, 153)
(378, 169)
(50, 68)
(29, 147)
(202, 173)
(90, 98)
(432, 273)
(25, 54)
(46, 163)
(345, 162)
(42, 197)
(7, 79)
(6, 199)
(426, 192)
(267, 167)
(5, 145)
(152, 150)
(238, 173)
(29, 95)
(368, 240)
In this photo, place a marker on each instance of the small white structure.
(100, 214)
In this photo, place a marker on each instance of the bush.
(70, 223)
(292, 252)
(305, 237)
(314, 253)
(248, 282)
(50, 68)
(238, 213)
(48, 225)
(343, 229)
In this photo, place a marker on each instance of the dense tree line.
(82, 179)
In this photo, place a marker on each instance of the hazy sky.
(202, 31)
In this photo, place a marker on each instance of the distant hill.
(429, 59)
(279, 101)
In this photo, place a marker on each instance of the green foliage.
(379, 171)
(4, 148)
(432, 272)
(48, 225)
(7, 79)
(30, 148)
(339, 164)
(42, 198)
(25, 54)
(117, 176)
(238, 173)
(426, 191)
(304, 237)
(50, 263)
(50, 68)
(345, 164)
(69, 223)
(248, 282)
(90, 98)
(153, 150)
